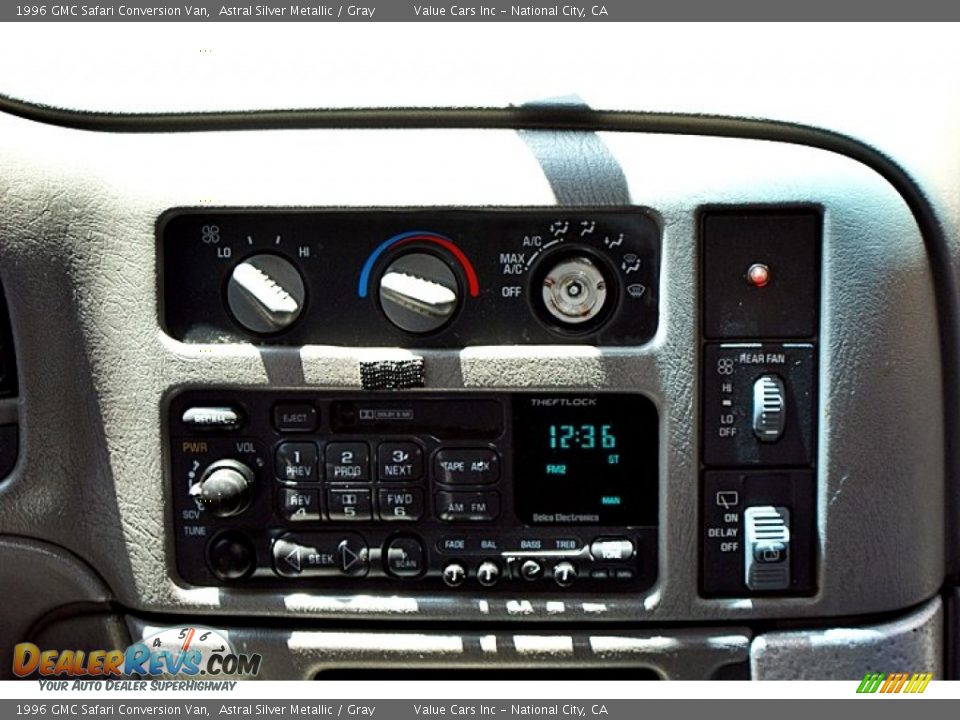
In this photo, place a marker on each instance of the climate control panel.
(542, 491)
(438, 278)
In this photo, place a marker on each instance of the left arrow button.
(320, 555)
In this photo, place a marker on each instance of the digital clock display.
(586, 437)
(586, 459)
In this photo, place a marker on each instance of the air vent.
(8, 358)
(490, 673)
(9, 430)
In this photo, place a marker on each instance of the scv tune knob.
(265, 293)
(224, 488)
(419, 293)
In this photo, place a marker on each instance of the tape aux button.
(466, 466)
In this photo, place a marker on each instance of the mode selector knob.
(224, 488)
(419, 292)
(576, 293)
(265, 293)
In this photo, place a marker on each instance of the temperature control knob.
(419, 292)
(224, 488)
(265, 293)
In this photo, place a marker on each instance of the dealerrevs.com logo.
(186, 651)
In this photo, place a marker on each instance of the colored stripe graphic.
(418, 235)
(870, 683)
(893, 683)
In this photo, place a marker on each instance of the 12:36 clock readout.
(583, 437)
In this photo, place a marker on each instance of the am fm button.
(467, 507)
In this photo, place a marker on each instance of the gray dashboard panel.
(40, 579)
(912, 642)
(78, 259)
(845, 652)
(688, 654)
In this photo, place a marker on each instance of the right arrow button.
(320, 555)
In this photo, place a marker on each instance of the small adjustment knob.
(488, 573)
(419, 293)
(574, 292)
(231, 556)
(454, 574)
(265, 293)
(531, 570)
(564, 573)
(769, 408)
(224, 488)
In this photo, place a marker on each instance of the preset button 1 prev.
(297, 462)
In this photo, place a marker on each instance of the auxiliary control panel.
(424, 278)
(760, 284)
(353, 491)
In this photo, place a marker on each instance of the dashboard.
(413, 392)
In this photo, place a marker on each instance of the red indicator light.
(758, 275)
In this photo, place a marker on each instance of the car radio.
(441, 490)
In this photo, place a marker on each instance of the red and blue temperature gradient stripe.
(473, 285)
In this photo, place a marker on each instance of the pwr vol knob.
(224, 488)
(265, 293)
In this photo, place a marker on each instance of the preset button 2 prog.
(348, 462)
